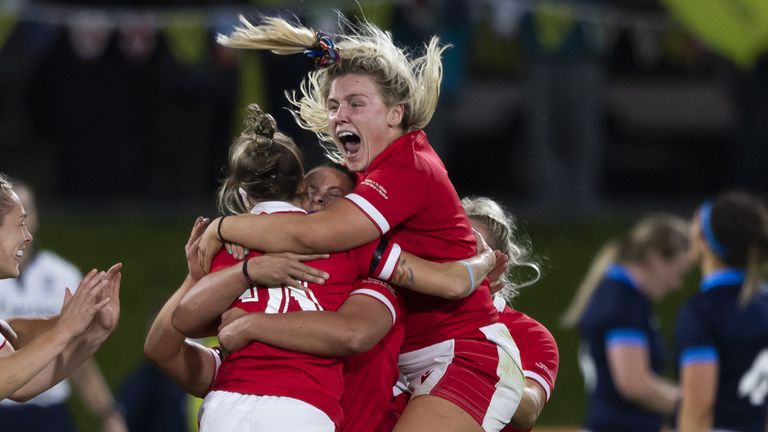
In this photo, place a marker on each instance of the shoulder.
(49, 261)
(525, 329)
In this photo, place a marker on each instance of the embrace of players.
(366, 296)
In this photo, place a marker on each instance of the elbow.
(632, 391)
(356, 341)
(180, 320)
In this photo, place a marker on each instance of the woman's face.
(326, 185)
(666, 274)
(14, 238)
(695, 239)
(359, 121)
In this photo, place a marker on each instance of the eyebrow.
(349, 96)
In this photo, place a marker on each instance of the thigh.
(430, 413)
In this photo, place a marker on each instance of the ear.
(395, 116)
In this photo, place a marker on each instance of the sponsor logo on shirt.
(377, 187)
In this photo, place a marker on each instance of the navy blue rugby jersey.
(617, 314)
(713, 327)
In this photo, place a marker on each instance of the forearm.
(653, 393)
(450, 280)
(71, 358)
(199, 310)
(28, 328)
(92, 389)
(186, 363)
(531, 404)
(323, 334)
(22, 366)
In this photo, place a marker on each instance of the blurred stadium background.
(580, 116)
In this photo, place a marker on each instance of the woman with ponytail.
(369, 101)
(722, 331)
(621, 351)
(260, 387)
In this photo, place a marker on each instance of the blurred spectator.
(564, 96)
(39, 291)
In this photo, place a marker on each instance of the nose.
(27, 235)
(342, 114)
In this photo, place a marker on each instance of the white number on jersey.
(754, 383)
(280, 297)
(587, 367)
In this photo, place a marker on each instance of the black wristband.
(218, 229)
(378, 254)
(247, 278)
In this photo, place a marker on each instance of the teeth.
(344, 134)
(19, 253)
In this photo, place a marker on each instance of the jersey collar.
(418, 136)
(619, 273)
(269, 207)
(727, 277)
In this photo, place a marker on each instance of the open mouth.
(350, 142)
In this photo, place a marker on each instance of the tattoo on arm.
(404, 275)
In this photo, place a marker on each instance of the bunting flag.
(89, 34)
(553, 24)
(187, 36)
(7, 25)
(138, 39)
(737, 29)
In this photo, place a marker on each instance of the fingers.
(309, 257)
(309, 274)
(237, 251)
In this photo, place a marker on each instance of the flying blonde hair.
(362, 49)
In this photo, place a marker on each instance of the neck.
(638, 274)
(710, 264)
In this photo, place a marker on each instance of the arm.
(631, 371)
(75, 336)
(450, 280)
(699, 386)
(92, 388)
(188, 364)
(359, 324)
(339, 227)
(198, 312)
(531, 404)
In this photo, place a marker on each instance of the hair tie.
(324, 50)
(705, 219)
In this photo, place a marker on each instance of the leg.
(430, 413)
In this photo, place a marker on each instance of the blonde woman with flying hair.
(368, 102)
(621, 354)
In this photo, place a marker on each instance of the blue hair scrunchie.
(324, 51)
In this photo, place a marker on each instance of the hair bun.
(259, 123)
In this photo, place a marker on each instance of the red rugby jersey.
(261, 369)
(538, 349)
(407, 194)
(369, 377)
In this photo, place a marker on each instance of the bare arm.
(188, 364)
(699, 386)
(339, 227)
(73, 338)
(359, 324)
(92, 388)
(531, 404)
(631, 371)
(198, 312)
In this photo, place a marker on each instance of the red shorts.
(481, 376)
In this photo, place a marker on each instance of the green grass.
(153, 257)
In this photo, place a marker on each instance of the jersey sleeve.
(378, 259)
(694, 339)
(382, 292)
(389, 197)
(538, 350)
(625, 323)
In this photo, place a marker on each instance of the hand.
(502, 265)
(110, 314)
(192, 248)
(231, 315)
(79, 309)
(208, 245)
(286, 269)
(238, 252)
(234, 335)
